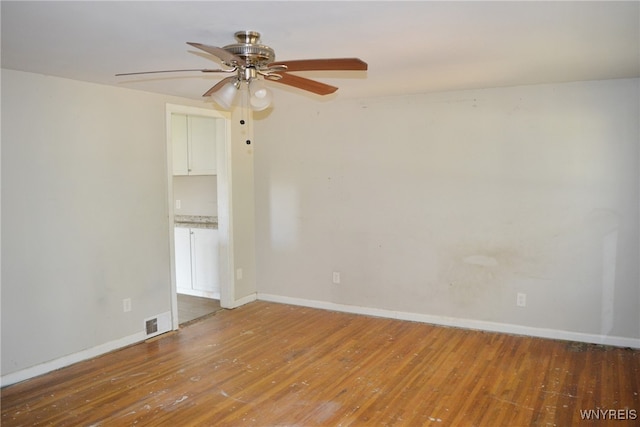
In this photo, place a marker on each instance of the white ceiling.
(411, 47)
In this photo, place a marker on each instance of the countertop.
(195, 221)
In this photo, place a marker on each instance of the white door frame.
(225, 249)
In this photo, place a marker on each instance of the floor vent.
(152, 326)
(158, 324)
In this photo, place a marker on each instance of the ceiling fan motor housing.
(249, 49)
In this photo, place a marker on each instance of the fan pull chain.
(245, 109)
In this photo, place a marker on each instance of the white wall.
(243, 206)
(450, 204)
(198, 195)
(84, 218)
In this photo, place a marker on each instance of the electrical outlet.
(336, 277)
(126, 305)
(521, 300)
(239, 274)
(178, 204)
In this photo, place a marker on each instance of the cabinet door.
(179, 144)
(202, 145)
(205, 259)
(183, 257)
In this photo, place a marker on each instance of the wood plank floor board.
(267, 364)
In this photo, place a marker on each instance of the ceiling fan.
(250, 63)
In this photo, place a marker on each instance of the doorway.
(198, 198)
(192, 308)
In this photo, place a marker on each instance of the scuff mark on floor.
(128, 376)
(222, 392)
(511, 403)
(182, 399)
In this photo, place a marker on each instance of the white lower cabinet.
(183, 258)
(196, 252)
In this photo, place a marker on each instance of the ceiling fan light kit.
(251, 63)
(260, 96)
(225, 96)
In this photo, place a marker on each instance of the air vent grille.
(158, 324)
(152, 326)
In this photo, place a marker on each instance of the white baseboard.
(62, 362)
(242, 301)
(197, 293)
(458, 322)
(44, 368)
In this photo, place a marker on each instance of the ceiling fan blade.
(220, 85)
(305, 84)
(227, 57)
(334, 64)
(203, 70)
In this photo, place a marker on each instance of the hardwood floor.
(192, 308)
(267, 364)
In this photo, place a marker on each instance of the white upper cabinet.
(179, 144)
(193, 140)
(202, 145)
